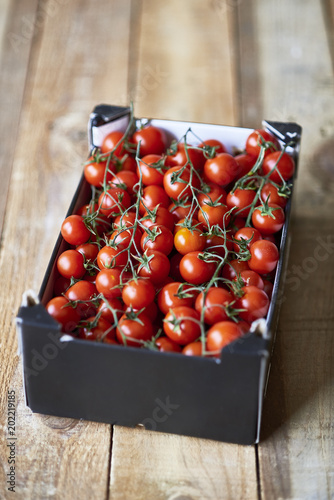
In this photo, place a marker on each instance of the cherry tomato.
(96, 174)
(213, 143)
(181, 209)
(157, 268)
(245, 163)
(152, 197)
(134, 331)
(210, 193)
(111, 310)
(270, 192)
(151, 167)
(97, 222)
(260, 137)
(127, 219)
(221, 169)
(268, 224)
(251, 278)
(234, 267)
(152, 140)
(112, 256)
(255, 302)
(221, 334)
(108, 283)
(138, 293)
(126, 163)
(194, 349)
(214, 300)
(61, 310)
(268, 287)
(216, 215)
(109, 143)
(165, 344)
(181, 325)
(128, 238)
(189, 240)
(70, 264)
(74, 230)
(83, 291)
(97, 329)
(194, 269)
(61, 285)
(280, 164)
(171, 295)
(178, 181)
(88, 250)
(264, 256)
(244, 234)
(180, 158)
(160, 216)
(126, 180)
(159, 238)
(216, 243)
(242, 199)
(114, 201)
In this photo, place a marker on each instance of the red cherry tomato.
(268, 224)
(134, 331)
(152, 140)
(160, 216)
(127, 219)
(171, 295)
(60, 309)
(109, 257)
(114, 141)
(83, 291)
(270, 193)
(255, 303)
(245, 163)
(251, 278)
(157, 238)
(152, 197)
(214, 300)
(71, 264)
(216, 215)
(111, 310)
(96, 174)
(195, 269)
(194, 349)
(189, 240)
(126, 180)
(74, 230)
(280, 164)
(210, 193)
(97, 329)
(242, 199)
(138, 293)
(210, 144)
(180, 158)
(178, 182)
(222, 169)
(233, 268)
(244, 234)
(114, 201)
(264, 256)
(165, 344)
(151, 170)
(181, 209)
(108, 283)
(157, 268)
(261, 137)
(221, 334)
(181, 325)
(88, 250)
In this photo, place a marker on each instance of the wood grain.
(56, 458)
(296, 458)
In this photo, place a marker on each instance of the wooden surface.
(220, 61)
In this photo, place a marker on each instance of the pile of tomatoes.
(178, 246)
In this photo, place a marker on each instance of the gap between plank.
(110, 461)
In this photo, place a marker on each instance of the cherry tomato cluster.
(176, 250)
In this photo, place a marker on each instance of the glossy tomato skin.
(284, 164)
(152, 197)
(108, 283)
(88, 250)
(245, 234)
(70, 264)
(165, 344)
(109, 143)
(159, 238)
(160, 216)
(181, 210)
(178, 181)
(114, 201)
(168, 297)
(138, 293)
(126, 180)
(269, 193)
(180, 158)
(96, 174)
(157, 268)
(74, 230)
(210, 193)
(267, 224)
(264, 257)
(83, 291)
(132, 332)
(214, 216)
(189, 240)
(152, 140)
(103, 330)
(214, 300)
(213, 143)
(234, 267)
(127, 237)
(251, 278)
(194, 349)
(216, 244)
(149, 171)
(128, 219)
(255, 303)
(242, 199)
(222, 169)
(221, 334)
(61, 311)
(181, 325)
(259, 137)
(109, 257)
(111, 310)
(195, 270)
(245, 163)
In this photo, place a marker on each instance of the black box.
(219, 399)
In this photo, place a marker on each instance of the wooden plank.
(78, 60)
(296, 455)
(182, 74)
(15, 45)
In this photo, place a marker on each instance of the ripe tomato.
(61, 310)
(152, 140)
(210, 193)
(180, 158)
(270, 193)
(74, 230)
(152, 197)
(112, 256)
(133, 329)
(151, 169)
(221, 169)
(221, 334)
(171, 295)
(268, 224)
(126, 163)
(255, 302)
(71, 264)
(114, 141)
(214, 300)
(264, 256)
(216, 215)
(165, 344)
(251, 278)
(194, 269)
(126, 180)
(157, 268)
(125, 220)
(268, 287)
(128, 238)
(88, 250)
(95, 221)
(159, 215)
(189, 240)
(216, 243)
(242, 199)
(60, 286)
(244, 234)
(210, 144)
(260, 137)
(138, 293)
(159, 238)
(114, 201)
(234, 267)
(95, 172)
(111, 310)
(108, 283)
(97, 329)
(178, 182)
(181, 325)
(194, 349)
(280, 164)
(245, 163)
(83, 291)
(181, 209)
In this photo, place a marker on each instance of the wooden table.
(230, 62)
